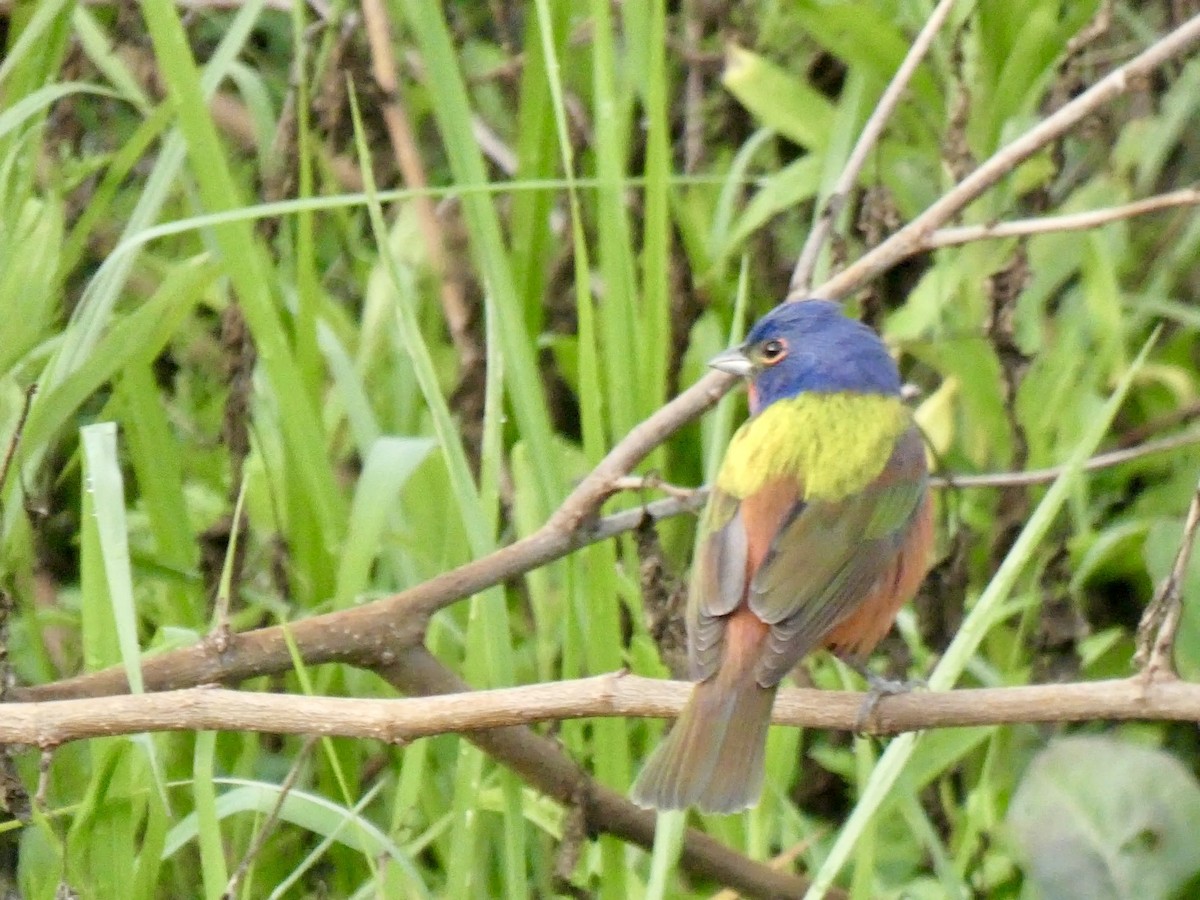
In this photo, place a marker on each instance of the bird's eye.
(773, 351)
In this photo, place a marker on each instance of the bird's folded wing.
(829, 555)
(718, 581)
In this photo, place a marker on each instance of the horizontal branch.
(1044, 476)
(1094, 218)
(682, 499)
(51, 723)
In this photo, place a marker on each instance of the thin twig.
(652, 483)
(693, 89)
(268, 826)
(45, 761)
(15, 441)
(1096, 28)
(493, 147)
(1045, 476)
(1176, 417)
(690, 499)
(912, 237)
(965, 234)
(412, 169)
(1160, 622)
(806, 264)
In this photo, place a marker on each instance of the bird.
(818, 528)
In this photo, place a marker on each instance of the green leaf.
(777, 99)
(104, 504)
(1105, 819)
(781, 191)
(28, 107)
(865, 35)
(389, 463)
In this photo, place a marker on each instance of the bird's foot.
(880, 687)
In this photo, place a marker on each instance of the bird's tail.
(713, 757)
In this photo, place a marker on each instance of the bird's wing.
(827, 557)
(718, 581)
(737, 536)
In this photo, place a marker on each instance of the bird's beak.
(734, 361)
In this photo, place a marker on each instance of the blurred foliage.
(605, 177)
(1104, 818)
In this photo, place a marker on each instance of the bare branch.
(1181, 415)
(682, 499)
(398, 721)
(19, 429)
(267, 828)
(1045, 476)
(806, 264)
(693, 90)
(653, 483)
(952, 237)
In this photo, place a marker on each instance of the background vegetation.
(614, 192)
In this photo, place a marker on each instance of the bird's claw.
(880, 687)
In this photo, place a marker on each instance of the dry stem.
(1160, 622)
(399, 721)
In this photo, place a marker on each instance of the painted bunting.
(817, 531)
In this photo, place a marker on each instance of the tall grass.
(601, 277)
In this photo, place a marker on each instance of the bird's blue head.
(810, 346)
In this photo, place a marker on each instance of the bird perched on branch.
(817, 531)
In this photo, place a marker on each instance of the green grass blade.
(43, 98)
(33, 36)
(91, 315)
(389, 463)
(315, 508)
(654, 337)
(452, 107)
(668, 842)
(207, 820)
(105, 490)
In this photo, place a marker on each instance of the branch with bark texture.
(912, 237)
(399, 721)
